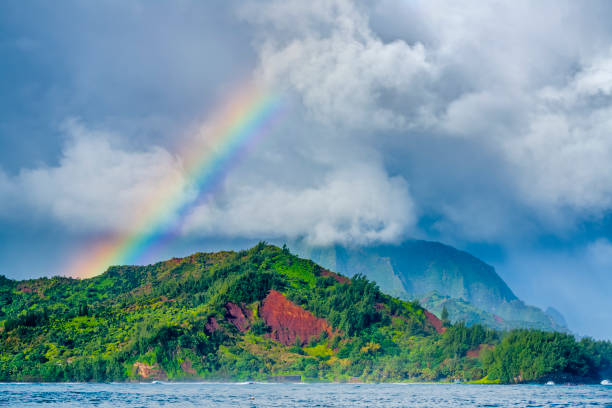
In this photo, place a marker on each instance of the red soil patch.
(29, 289)
(152, 372)
(289, 321)
(434, 321)
(339, 278)
(195, 258)
(187, 367)
(236, 315)
(475, 353)
(211, 326)
(174, 261)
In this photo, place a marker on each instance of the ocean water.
(302, 395)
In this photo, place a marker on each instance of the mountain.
(260, 314)
(439, 276)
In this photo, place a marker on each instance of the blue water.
(302, 395)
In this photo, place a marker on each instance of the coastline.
(224, 382)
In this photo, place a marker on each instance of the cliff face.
(289, 321)
(435, 322)
(417, 269)
(430, 266)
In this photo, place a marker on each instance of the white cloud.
(564, 155)
(504, 76)
(356, 204)
(99, 187)
(596, 77)
(342, 72)
(556, 140)
(565, 161)
(95, 186)
(484, 114)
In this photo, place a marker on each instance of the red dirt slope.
(435, 322)
(238, 316)
(289, 321)
(211, 326)
(475, 353)
(339, 278)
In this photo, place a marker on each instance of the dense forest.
(261, 314)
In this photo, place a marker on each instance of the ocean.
(302, 395)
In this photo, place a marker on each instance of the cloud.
(341, 71)
(357, 204)
(95, 187)
(596, 77)
(529, 86)
(369, 81)
(555, 142)
(99, 187)
(563, 153)
(517, 81)
(481, 219)
(6, 194)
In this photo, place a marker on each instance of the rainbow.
(226, 137)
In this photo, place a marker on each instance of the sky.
(483, 125)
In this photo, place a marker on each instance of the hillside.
(260, 314)
(438, 275)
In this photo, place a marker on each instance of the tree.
(444, 317)
(83, 309)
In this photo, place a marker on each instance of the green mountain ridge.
(436, 273)
(260, 314)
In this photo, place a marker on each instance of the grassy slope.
(155, 322)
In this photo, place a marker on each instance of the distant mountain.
(438, 275)
(556, 316)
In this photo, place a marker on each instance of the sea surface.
(302, 395)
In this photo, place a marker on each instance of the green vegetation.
(172, 320)
(530, 355)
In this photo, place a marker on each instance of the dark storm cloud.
(145, 69)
